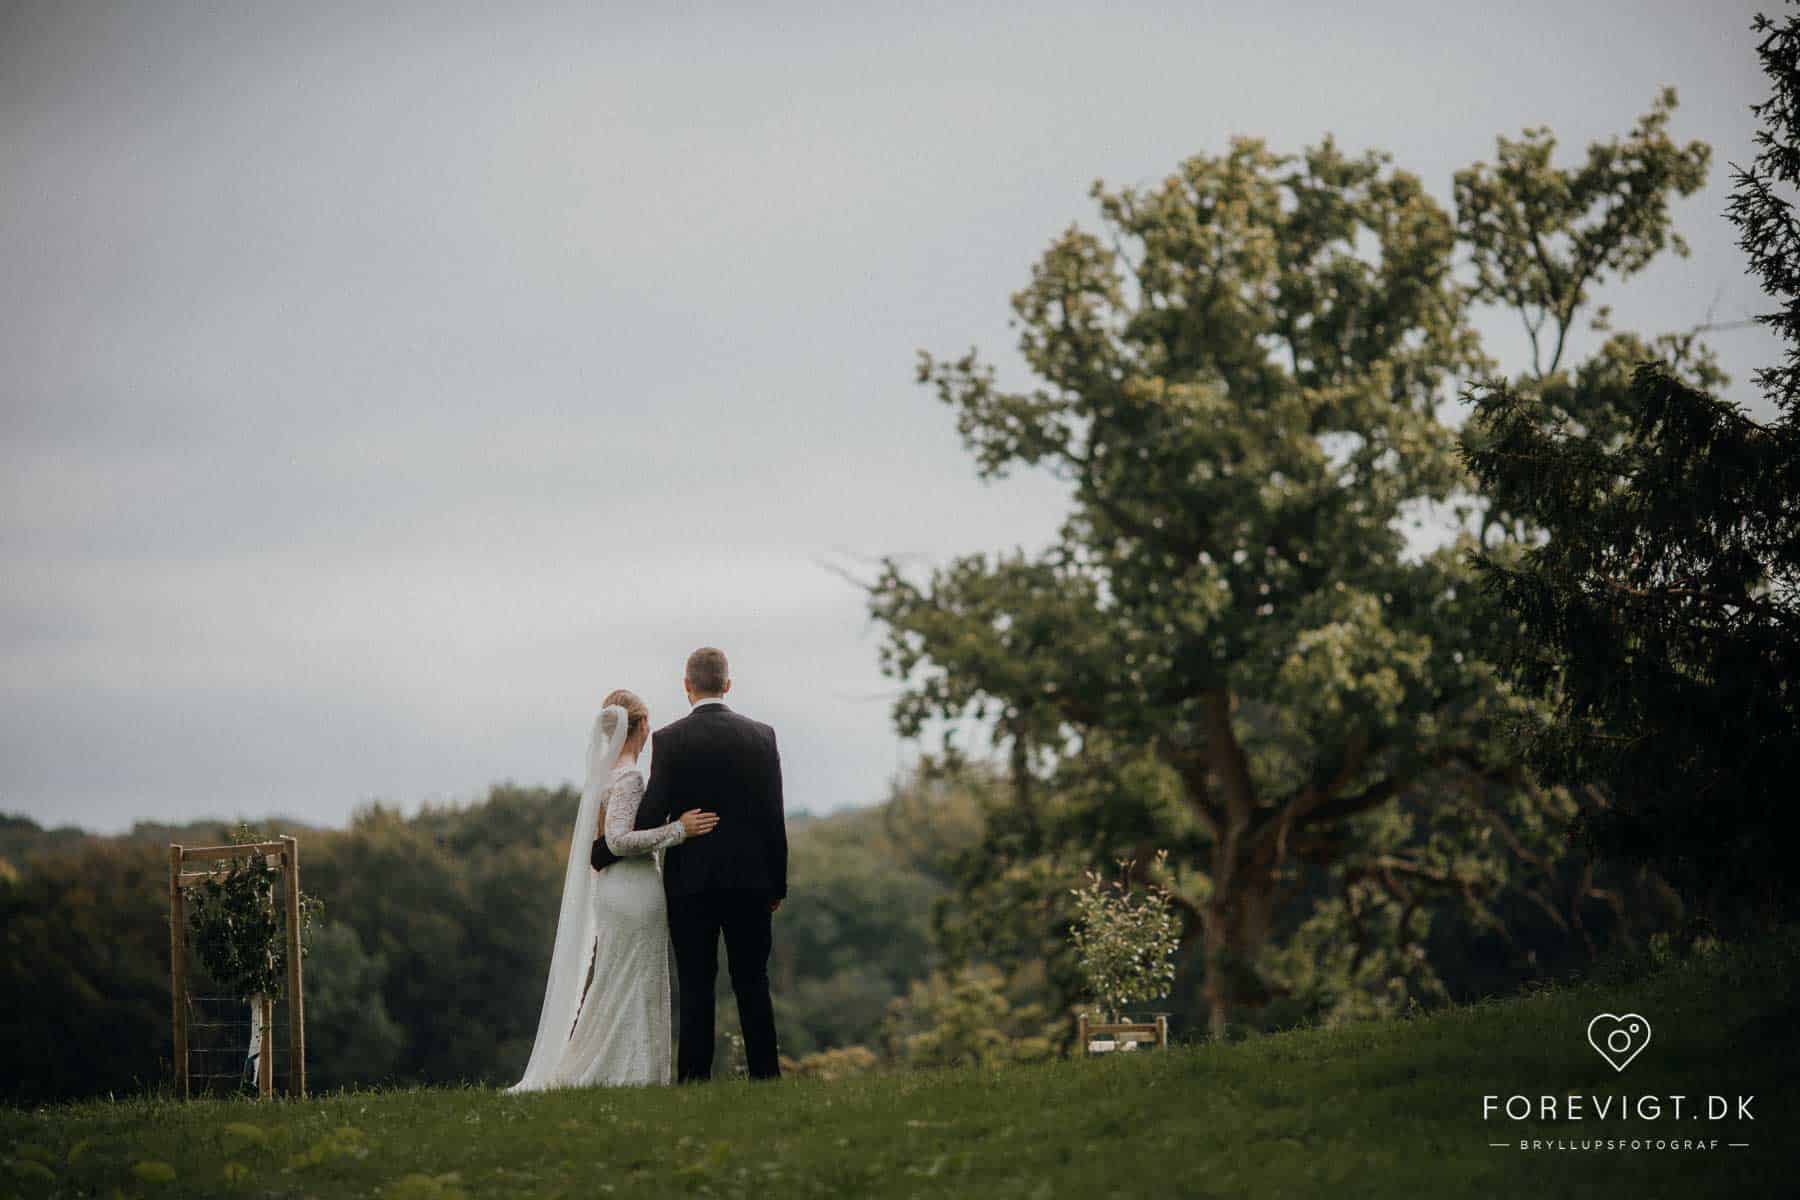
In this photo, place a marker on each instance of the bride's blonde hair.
(636, 715)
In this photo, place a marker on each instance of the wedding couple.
(640, 879)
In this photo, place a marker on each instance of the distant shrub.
(1125, 941)
(965, 1019)
(833, 1064)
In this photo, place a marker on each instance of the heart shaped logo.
(1619, 1039)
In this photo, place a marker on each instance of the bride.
(611, 1026)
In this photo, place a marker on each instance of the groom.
(731, 881)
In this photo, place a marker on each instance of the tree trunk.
(1236, 918)
(1235, 924)
(1217, 988)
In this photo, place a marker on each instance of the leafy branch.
(236, 924)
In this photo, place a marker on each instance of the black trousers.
(695, 923)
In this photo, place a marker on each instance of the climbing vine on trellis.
(236, 924)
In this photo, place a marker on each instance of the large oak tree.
(1242, 376)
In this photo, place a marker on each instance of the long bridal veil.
(575, 923)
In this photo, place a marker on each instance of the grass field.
(1369, 1110)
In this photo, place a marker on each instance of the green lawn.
(1369, 1110)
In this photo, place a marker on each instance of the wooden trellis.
(287, 852)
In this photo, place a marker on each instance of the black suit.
(723, 881)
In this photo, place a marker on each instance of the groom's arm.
(653, 809)
(777, 817)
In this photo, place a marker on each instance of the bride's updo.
(637, 716)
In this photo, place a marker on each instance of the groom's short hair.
(708, 672)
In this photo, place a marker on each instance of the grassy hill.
(1390, 1109)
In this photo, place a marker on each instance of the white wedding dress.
(622, 1033)
(618, 1032)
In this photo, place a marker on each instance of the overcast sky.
(381, 390)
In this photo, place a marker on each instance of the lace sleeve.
(621, 815)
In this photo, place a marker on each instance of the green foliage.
(238, 927)
(1543, 237)
(84, 967)
(1656, 605)
(1363, 1110)
(1125, 941)
(351, 1037)
(1767, 228)
(854, 932)
(833, 1064)
(966, 1018)
(21, 837)
(1241, 375)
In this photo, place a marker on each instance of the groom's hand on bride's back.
(696, 822)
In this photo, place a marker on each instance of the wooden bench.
(1154, 1033)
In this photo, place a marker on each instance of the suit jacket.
(723, 762)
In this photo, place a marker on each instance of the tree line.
(427, 964)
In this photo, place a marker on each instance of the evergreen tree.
(1658, 607)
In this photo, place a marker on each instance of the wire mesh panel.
(222, 1059)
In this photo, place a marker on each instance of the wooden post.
(1081, 1034)
(265, 1051)
(296, 999)
(178, 972)
(1162, 1033)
